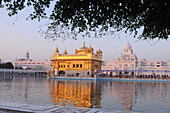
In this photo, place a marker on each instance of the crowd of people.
(142, 76)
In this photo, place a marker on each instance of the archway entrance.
(126, 73)
(61, 73)
(132, 73)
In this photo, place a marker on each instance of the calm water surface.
(148, 97)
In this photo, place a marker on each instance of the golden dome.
(65, 52)
(83, 48)
(56, 50)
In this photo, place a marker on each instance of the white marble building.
(128, 62)
(27, 63)
(153, 65)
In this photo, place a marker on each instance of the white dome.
(128, 46)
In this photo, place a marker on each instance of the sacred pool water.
(150, 97)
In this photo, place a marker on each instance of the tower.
(27, 56)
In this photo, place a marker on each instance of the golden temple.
(82, 63)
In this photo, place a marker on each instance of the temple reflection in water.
(76, 93)
(92, 94)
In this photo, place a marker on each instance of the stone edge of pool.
(36, 108)
(113, 79)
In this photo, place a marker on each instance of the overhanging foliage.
(99, 16)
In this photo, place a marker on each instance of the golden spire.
(84, 44)
(75, 51)
(90, 46)
(84, 47)
(91, 49)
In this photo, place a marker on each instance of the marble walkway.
(15, 107)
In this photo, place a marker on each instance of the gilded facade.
(82, 63)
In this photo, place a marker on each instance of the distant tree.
(1, 66)
(8, 65)
(74, 17)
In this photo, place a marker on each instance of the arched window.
(126, 67)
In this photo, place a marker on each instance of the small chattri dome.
(99, 52)
(121, 56)
(56, 50)
(90, 48)
(65, 52)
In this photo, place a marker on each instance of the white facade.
(154, 65)
(128, 61)
(27, 63)
(108, 65)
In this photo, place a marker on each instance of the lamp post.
(48, 73)
(53, 72)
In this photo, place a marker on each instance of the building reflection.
(76, 93)
(124, 92)
(128, 93)
(89, 94)
(5, 78)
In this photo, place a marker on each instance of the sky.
(18, 35)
